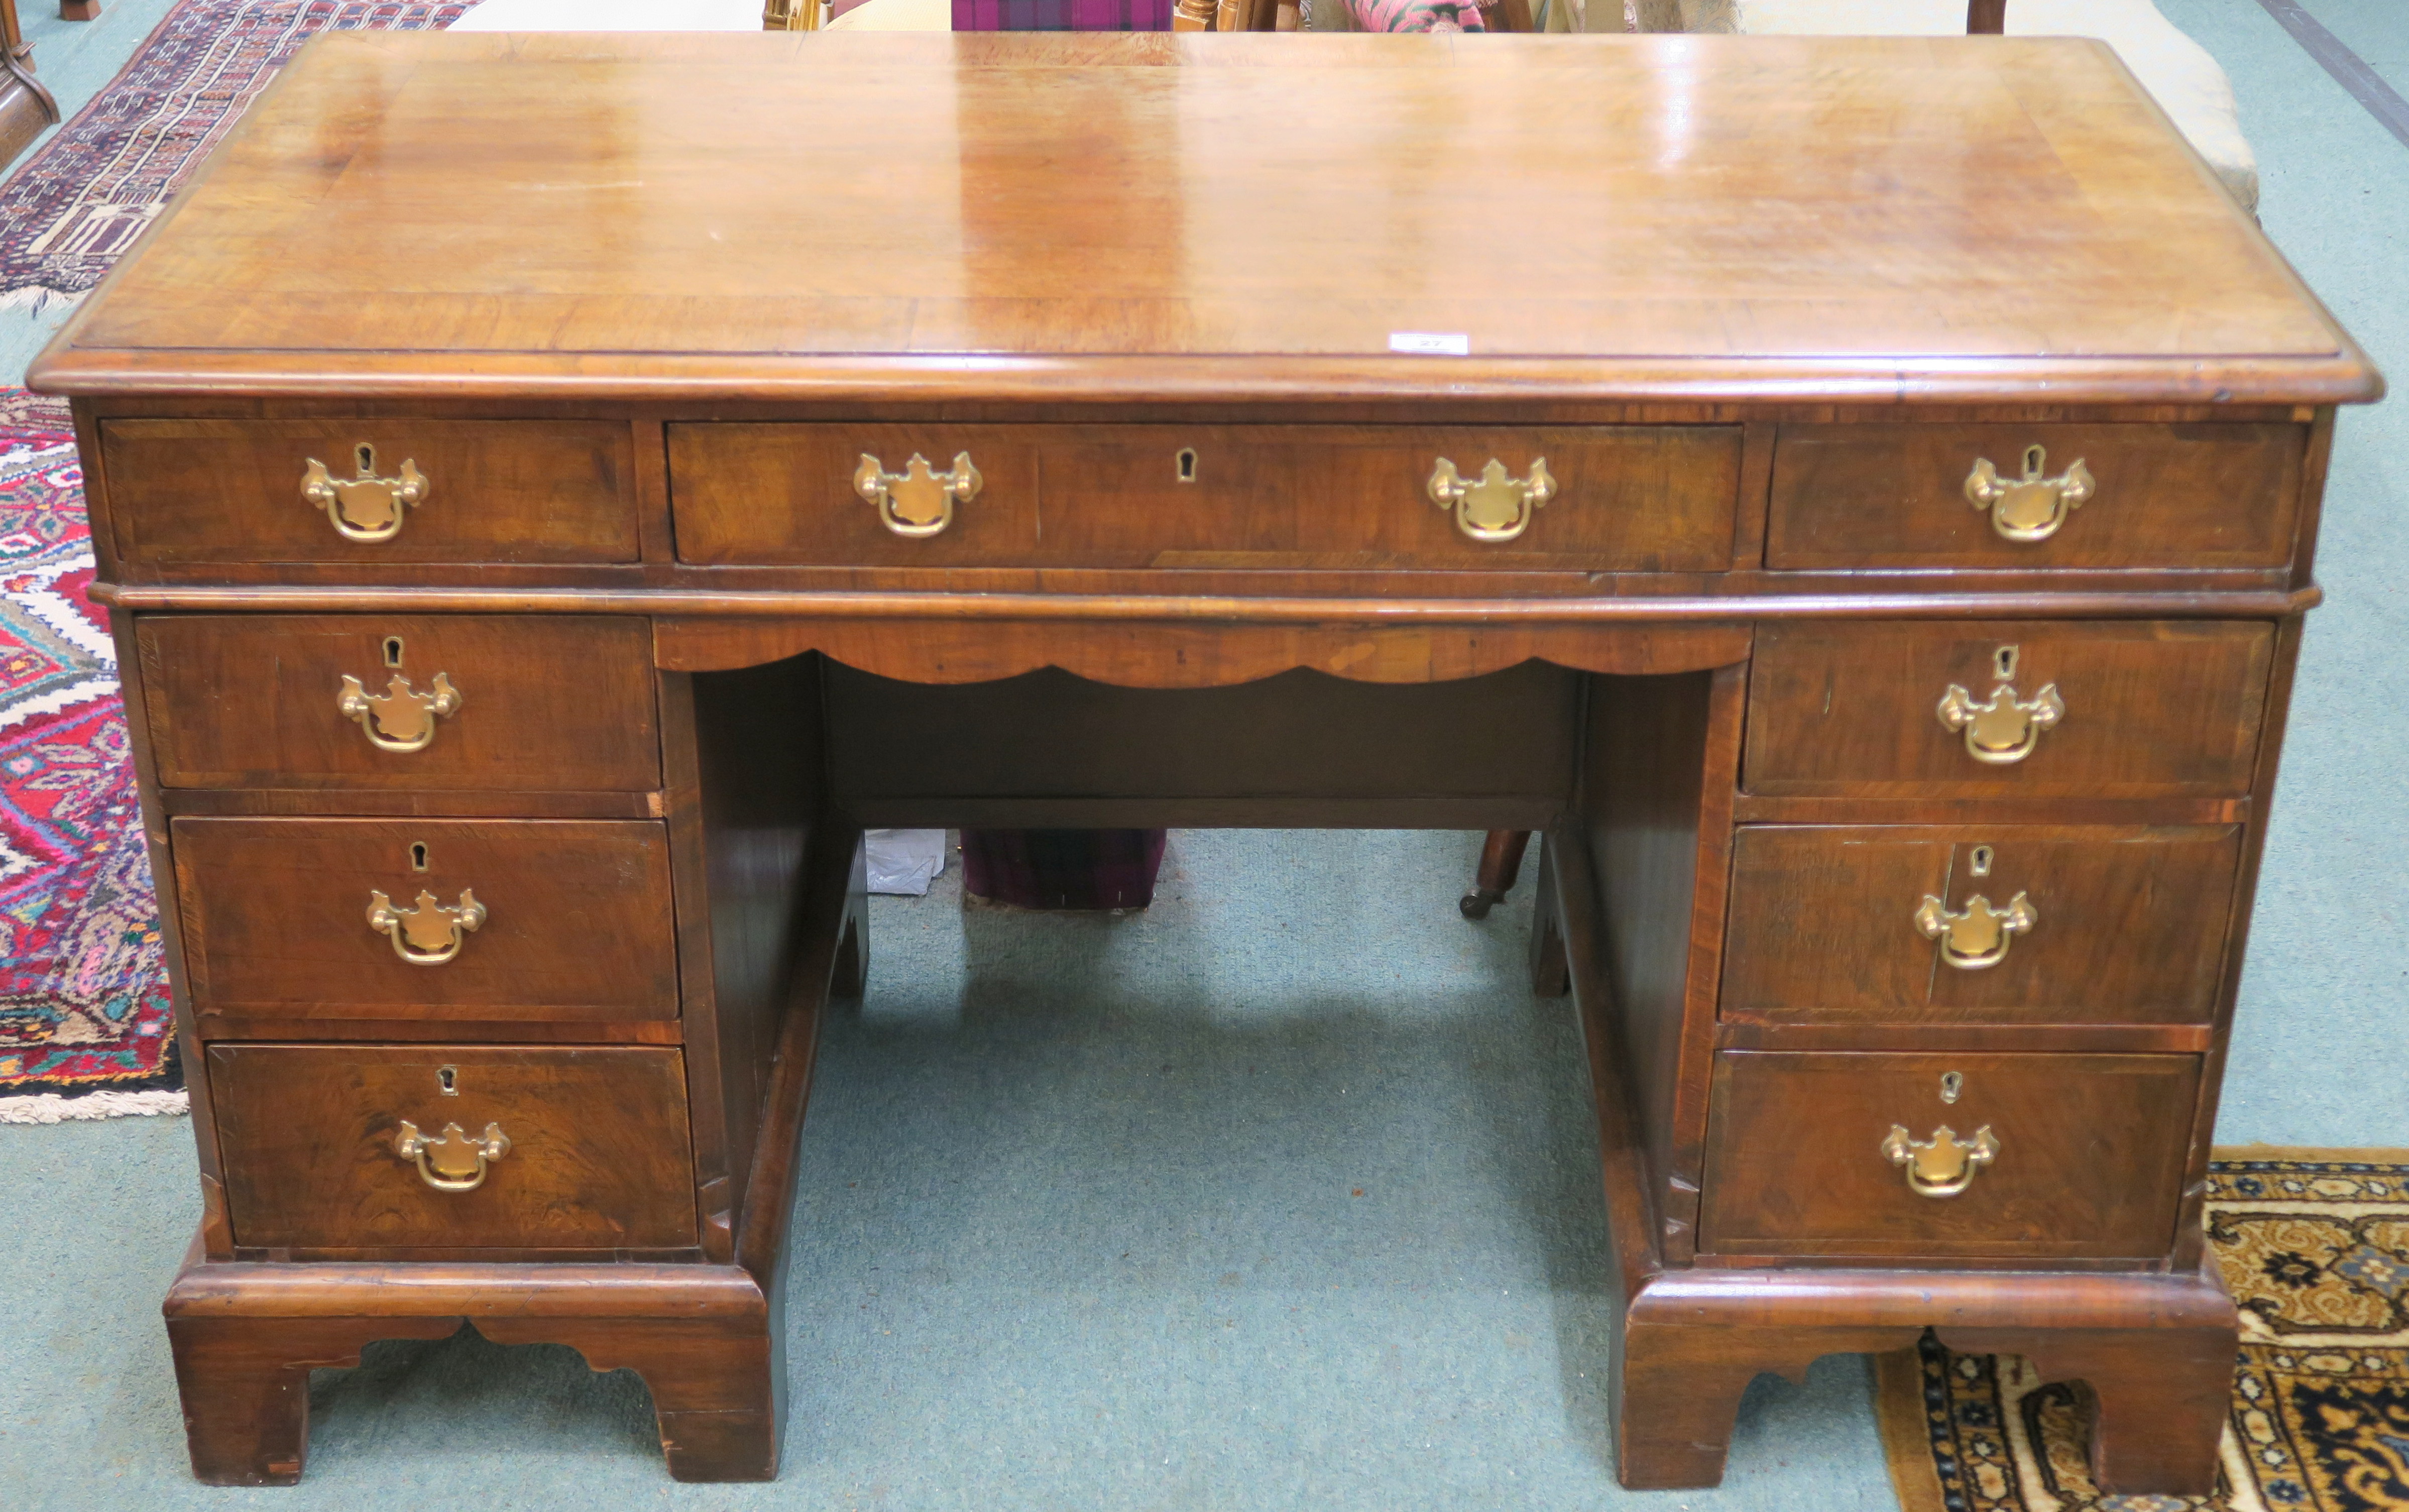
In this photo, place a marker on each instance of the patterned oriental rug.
(84, 1015)
(84, 1018)
(2314, 1245)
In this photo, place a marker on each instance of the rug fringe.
(2311, 1154)
(37, 299)
(51, 1108)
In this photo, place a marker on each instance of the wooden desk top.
(1055, 218)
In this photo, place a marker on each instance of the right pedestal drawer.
(2046, 496)
(1998, 924)
(1890, 1156)
(2007, 709)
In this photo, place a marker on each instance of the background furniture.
(26, 109)
(1885, 607)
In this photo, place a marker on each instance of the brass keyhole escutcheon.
(1979, 936)
(1953, 1083)
(365, 508)
(2032, 507)
(1495, 506)
(1943, 1165)
(452, 1161)
(400, 719)
(918, 501)
(430, 933)
(2003, 729)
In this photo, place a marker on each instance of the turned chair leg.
(1501, 861)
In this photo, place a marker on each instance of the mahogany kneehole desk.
(553, 492)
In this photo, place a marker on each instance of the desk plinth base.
(2157, 1350)
(246, 1336)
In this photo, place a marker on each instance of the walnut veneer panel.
(577, 925)
(2166, 495)
(1628, 498)
(853, 213)
(598, 1160)
(2129, 924)
(2151, 708)
(195, 491)
(2090, 1159)
(547, 703)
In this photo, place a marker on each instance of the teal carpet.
(1077, 1224)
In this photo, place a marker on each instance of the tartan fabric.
(1061, 15)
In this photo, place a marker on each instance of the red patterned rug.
(84, 1014)
(84, 1017)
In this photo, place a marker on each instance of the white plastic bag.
(903, 862)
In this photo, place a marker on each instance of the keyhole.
(393, 651)
(2034, 456)
(447, 1080)
(418, 856)
(1951, 1083)
(367, 455)
(2004, 663)
(1188, 463)
(1981, 860)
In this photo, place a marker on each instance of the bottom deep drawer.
(316, 1156)
(2044, 1156)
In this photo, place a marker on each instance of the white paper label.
(1431, 343)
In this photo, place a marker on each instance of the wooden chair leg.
(1501, 861)
(1552, 967)
(78, 10)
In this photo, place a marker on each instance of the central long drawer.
(1620, 499)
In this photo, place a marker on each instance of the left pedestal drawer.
(495, 920)
(525, 703)
(452, 1147)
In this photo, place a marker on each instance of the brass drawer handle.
(450, 1161)
(1943, 1165)
(1979, 936)
(2032, 507)
(365, 507)
(428, 934)
(400, 718)
(919, 500)
(1495, 506)
(2001, 731)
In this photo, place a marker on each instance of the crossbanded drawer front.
(1905, 1155)
(1907, 924)
(453, 1146)
(538, 703)
(1595, 499)
(2044, 496)
(2007, 709)
(378, 491)
(484, 919)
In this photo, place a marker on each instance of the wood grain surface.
(275, 918)
(1629, 498)
(789, 214)
(597, 1157)
(2130, 924)
(2152, 708)
(2091, 1154)
(1872, 496)
(200, 491)
(546, 705)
